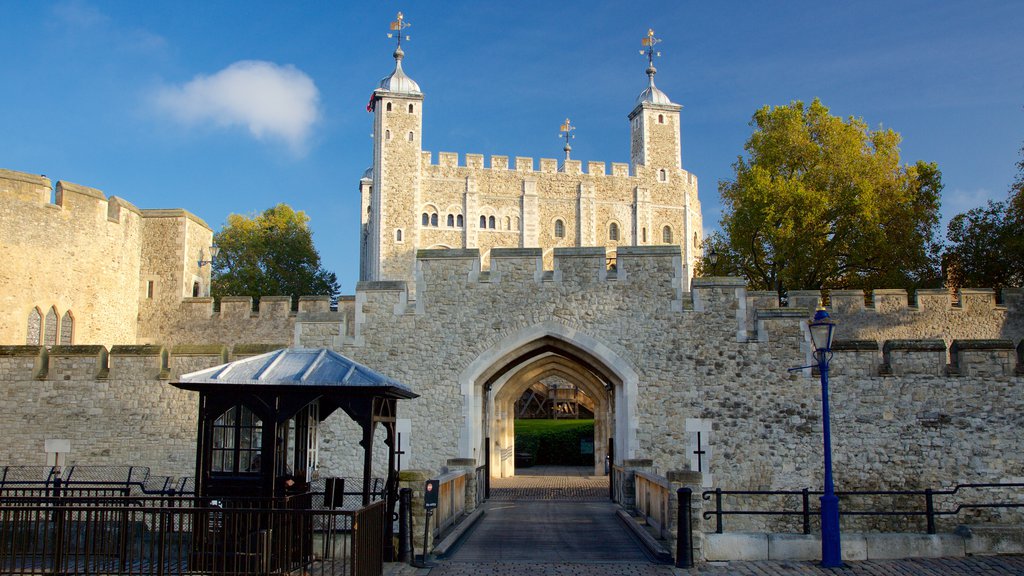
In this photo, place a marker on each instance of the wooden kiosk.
(259, 418)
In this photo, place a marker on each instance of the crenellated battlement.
(77, 200)
(468, 163)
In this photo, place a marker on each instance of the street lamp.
(822, 330)
(214, 250)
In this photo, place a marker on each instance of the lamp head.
(713, 257)
(822, 330)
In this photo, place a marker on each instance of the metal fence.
(906, 505)
(175, 535)
(123, 520)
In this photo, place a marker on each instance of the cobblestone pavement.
(551, 483)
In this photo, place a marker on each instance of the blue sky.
(221, 107)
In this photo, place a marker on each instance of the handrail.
(930, 512)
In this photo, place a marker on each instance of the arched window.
(410, 136)
(410, 108)
(426, 219)
(666, 235)
(398, 235)
(195, 289)
(516, 223)
(50, 328)
(661, 118)
(433, 219)
(662, 175)
(559, 229)
(643, 235)
(483, 222)
(490, 222)
(388, 107)
(451, 220)
(35, 327)
(613, 231)
(67, 329)
(387, 134)
(696, 241)
(508, 223)
(459, 221)
(237, 441)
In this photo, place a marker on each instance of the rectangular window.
(149, 290)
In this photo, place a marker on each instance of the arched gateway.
(493, 382)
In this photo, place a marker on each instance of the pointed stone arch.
(528, 350)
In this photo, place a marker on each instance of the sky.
(232, 107)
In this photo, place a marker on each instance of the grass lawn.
(555, 441)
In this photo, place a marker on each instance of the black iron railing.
(901, 503)
(481, 485)
(176, 535)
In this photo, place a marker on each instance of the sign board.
(430, 494)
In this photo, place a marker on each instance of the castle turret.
(654, 123)
(390, 226)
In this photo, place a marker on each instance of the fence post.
(404, 524)
(718, 510)
(58, 527)
(807, 511)
(684, 529)
(929, 505)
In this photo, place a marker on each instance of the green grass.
(555, 441)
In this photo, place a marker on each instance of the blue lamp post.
(822, 329)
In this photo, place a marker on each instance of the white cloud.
(271, 101)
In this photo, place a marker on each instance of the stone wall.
(76, 259)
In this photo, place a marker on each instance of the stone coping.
(78, 350)
(763, 313)
(320, 298)
(24, 177)
(995, 344)
(848, 345)
(581, 252)
(915, 345)
(141, 350)
(713, 281)
(224, 299)
(516, 253)
(79, 189)
(174, 213)
(381, 286)
(659, 250)
(447, 253)
(20, 351)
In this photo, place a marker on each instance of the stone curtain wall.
(80, 253)
(115, 410)
(902, 419)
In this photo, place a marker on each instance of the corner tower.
(391, 188)
(654, 122)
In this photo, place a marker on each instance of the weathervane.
(397, 26)
(566, 132)
(649, 41)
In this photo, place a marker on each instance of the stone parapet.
(904, 357)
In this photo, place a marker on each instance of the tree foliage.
(986, 245)
(820, 202)
(269, 254)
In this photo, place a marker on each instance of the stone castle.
(479, 282)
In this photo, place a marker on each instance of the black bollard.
(405, 525)
(684, 530)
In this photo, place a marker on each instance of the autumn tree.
(986, 245)
(822, 202)
(268, 254)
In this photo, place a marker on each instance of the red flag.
(370, 104)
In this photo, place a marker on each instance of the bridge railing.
(451, 499)
(653, 500)
(906, 506)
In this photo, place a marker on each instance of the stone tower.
(390, 232)
(654, 123)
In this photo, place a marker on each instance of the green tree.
(270, 254)
(822, 202)
(986, 244)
